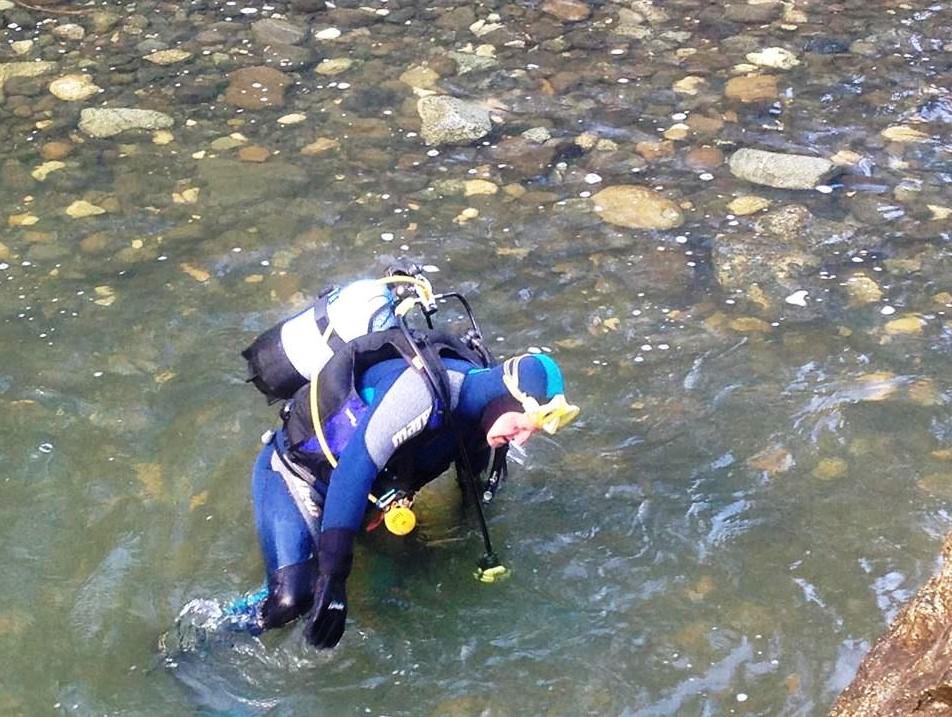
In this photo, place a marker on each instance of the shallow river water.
(761, 473)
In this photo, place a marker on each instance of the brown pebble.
(95, 243)
(443, 65)
(752, 88)
(704, 158)
(705, 125)
(567, 10)
(110, 204)
(253, 153)
(565, 81)
(652, 151)
(56, 150)
(255, 88)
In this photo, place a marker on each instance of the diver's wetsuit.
(403, 423)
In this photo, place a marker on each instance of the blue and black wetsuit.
(306, 528)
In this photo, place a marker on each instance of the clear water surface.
(755, 484)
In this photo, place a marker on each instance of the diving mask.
(556, 413)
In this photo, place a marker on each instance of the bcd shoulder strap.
(316, 403)
(323, 322)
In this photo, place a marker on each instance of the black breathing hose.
(489, 560)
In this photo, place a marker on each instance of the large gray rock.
(448, 120)
(781, 171)
(108, 122)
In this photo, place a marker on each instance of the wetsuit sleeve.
(401, 408)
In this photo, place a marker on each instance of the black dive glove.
(325, 626)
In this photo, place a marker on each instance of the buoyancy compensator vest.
(286, 356)
(315, 444)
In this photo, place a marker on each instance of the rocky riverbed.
(647, 189)
(682, 119)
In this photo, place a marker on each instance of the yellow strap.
(510, 377)
(316, 422)
(405, 306)
(423, 286)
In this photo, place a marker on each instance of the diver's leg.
(290, 593)
(286, 544)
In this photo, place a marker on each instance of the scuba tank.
(287, 355)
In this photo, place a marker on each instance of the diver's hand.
(335, 555)
(325, 626)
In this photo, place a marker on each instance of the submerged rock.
(528, 158)
(271, 31)
(902, 133)
(779, 256)
(448, 120)
(334, 66)
(81, 209)
(70, 31)
(751, 88)
(9, 70)
(822, 45)
(230, 182)
(103, 20)
(754, 12)
(747, 204)
(319, 146)
(308, 6)
(74, 88)
(567, 10)
(420, 77)
(909, 669)
(637, 208)
(168, 57)
(254, 88)
(108, 122)
(775, 57)
(56, 150)
(781, 171)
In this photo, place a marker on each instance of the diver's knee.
(290, 593)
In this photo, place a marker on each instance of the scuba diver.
(373, 410)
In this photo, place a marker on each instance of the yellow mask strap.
(510, 377)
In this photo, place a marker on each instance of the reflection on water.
(761, 471)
